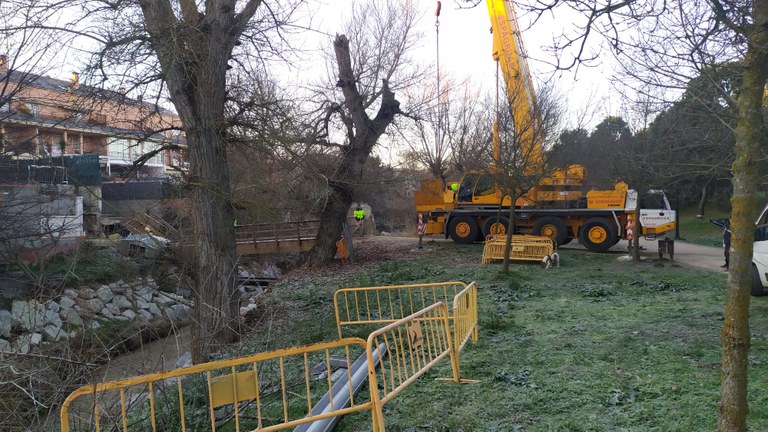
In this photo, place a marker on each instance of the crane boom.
(509, 53)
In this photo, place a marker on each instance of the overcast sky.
(465, 50)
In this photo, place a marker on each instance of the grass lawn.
(599, 344)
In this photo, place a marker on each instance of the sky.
(465, 50)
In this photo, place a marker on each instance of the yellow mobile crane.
(557, 206)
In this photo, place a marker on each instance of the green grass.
(596, 345)
(699, 230)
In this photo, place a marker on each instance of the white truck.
(760, 255)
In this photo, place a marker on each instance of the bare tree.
(525, 148)
(452, 131)
(372, 62)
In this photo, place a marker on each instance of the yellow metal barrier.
(523, 247)
(465, 316)
(266, 392)
(386, 304)
(414, 343)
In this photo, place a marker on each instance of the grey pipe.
(341, 396)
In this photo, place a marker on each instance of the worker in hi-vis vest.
(359, 214)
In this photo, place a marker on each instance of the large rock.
(5, 346)
(164, 299)
(87, 293)
(6, 323)
(117, 288)
(122, 302)
(53, 333)
(52, 317)
(66, 303)
(144, 316)
(131, 315)
(69, 292)
(28, 314)
(105, 293)
(144, 293)
(72, 318)
(35, 338)
(106, 313)
(94, 304)
(52, 306)
(154, 310)
(177, 312)
(141, 303)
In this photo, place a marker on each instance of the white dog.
(550, 261)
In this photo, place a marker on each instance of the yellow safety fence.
(414, 345)
(386, 304)
(523, 247)
(266, 392)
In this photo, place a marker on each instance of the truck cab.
(760, 255)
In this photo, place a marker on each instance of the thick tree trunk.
(735, 335)
(335, 211)
(193, 49)
(216, 305)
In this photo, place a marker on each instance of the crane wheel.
(598, 235)
(493, 226)
(463, 229)
(552, 227)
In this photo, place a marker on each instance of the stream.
(159, 355)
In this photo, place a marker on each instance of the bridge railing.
(283, 231)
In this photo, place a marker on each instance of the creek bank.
(138, 305)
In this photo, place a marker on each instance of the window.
(484, 185)
(466, 186)
(152, 146)
(119, 149)
(653, 201)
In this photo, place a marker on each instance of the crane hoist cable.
(437, 60)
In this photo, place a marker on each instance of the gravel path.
(705, 257)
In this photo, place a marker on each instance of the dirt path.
(705, 257)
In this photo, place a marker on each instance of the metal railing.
(465, 316)
(385, 304)
(370, 306)
(266, 392)
(415, 344)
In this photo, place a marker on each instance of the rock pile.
(30, 322)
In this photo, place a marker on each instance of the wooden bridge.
(256, 239)
(283, 237)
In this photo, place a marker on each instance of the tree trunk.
(363, 133)
(735, 336)
(193, 50)
(216, 305)
(508, 244)
(335, 211)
